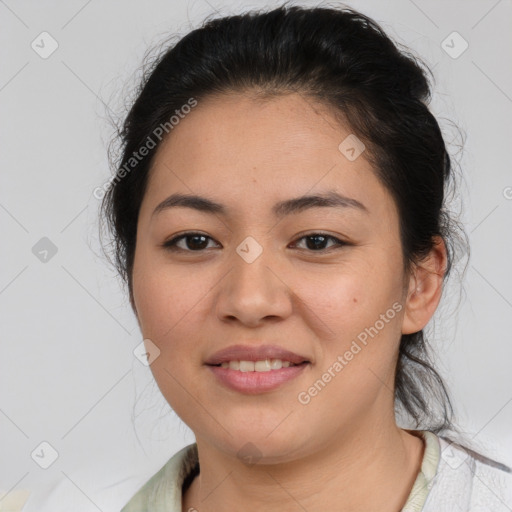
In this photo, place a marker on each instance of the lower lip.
(256, 382)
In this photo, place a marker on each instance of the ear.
(425, 288)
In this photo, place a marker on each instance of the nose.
(254, 291)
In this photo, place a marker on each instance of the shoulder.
(162, 492)
(467, 481)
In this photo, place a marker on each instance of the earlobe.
(425, 288)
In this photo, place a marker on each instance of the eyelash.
(171, 245)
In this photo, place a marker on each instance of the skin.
(249, 154)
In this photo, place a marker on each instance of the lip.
(254, 353)
(254, 383)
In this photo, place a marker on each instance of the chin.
(260, 446)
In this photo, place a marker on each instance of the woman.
(278, 213)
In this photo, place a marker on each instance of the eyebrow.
(330, 199)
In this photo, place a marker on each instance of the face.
(321, 280)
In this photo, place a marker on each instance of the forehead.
(241, 128)
(245, 147)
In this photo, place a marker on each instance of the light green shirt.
(451, 478)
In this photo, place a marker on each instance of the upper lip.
(254, 353)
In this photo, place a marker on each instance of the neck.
(382, 458)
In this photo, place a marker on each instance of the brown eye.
(316, 242)
(193, 242)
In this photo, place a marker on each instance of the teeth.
(262, 366)
(246, 366)
(257, 366)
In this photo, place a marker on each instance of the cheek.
(349, 300)
(168, 302)
(361, 312)
(165, 296)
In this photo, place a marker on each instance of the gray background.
(68, 375)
